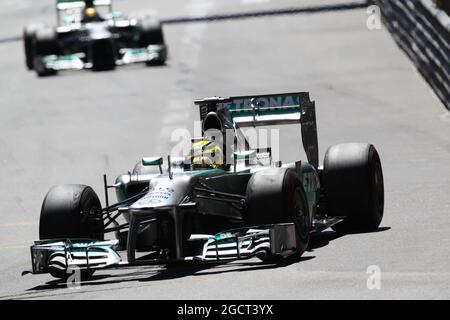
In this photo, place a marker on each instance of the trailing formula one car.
(89, 34)
(221, 202)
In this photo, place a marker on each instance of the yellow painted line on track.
(16, 224)
(16, 245)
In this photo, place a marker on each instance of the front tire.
(150, 30)
(29, 33)
(151, 33)
(68, 212)
(103, 55)
(45, 44)
(353, 186)
(277, 196)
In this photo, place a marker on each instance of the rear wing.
(64, 5)
(71, 4)
(268, 110)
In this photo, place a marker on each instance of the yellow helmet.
(90, 12)
(206, 154)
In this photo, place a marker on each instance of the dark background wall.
(444, 5)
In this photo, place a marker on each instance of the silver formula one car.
(90, 34)
(223, 201)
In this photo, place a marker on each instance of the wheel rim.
(301, 217)
(91, 222)
(379, 188)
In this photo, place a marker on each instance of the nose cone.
(164, 192)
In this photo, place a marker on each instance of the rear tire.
(353, 186)
(67, 213)
(277, 196)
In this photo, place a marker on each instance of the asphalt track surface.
(79, 125)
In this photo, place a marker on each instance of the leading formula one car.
(223, 201)
(90, 34)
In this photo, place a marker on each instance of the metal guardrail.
(423, 32)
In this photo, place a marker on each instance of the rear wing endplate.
(268, 110)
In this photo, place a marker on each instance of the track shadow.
(181, 270)
(380, 229)
(133, 67)
(171, 272)
(322, 239)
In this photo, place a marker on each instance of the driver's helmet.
(90, 13)
(206, 154)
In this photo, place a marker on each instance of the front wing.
(152, 53)
(276, 240)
